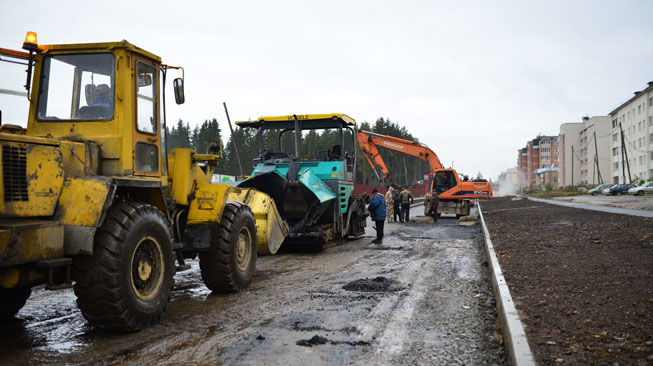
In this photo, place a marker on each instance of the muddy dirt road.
(422, 297)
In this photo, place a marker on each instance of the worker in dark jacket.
(433, 203)
(377, 211)
(397, 206)
(406, 199)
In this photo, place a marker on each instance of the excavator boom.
(370, 140)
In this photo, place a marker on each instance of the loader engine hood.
(301, 201)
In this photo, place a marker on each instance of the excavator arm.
(371, 153)
(370, 140)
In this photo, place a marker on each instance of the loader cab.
(105, 94)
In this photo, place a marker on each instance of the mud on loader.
(86, 197)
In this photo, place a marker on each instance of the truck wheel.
(229, 265)
(13, 300)
(127, 283)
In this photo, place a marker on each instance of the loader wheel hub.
(144, 270)
(147, 268)
(243, 251)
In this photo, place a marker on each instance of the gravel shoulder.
(581, 280)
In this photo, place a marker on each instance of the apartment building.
(632, 138)
(585, 151)
(540, 153)
(522, 167)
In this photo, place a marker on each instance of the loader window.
(77, 88)
(147, 158)
(146, 97)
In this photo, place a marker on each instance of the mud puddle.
(377, 284)
(318, 340)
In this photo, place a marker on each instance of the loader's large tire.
(127, 283)
(229, 265)
(12, 300)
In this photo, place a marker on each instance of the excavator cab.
(443, 181)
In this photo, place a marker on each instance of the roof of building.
(636, 95)
(536, 141)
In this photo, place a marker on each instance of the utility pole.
(572, 165)
(405, 171)
(596, 160)
(624, 153)
(233, 139)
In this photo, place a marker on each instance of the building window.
(639, 109)
(650, 101)
(615, 151)
(614, 123)
(641, 160)
(615, 166)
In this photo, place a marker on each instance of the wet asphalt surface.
(422, 297)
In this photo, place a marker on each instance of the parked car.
(619, 189)
(641, 190)
(599, 189)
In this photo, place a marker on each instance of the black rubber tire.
(13, 300)
(229, 265)
(593, 193)
(640, 193)
(127, 283)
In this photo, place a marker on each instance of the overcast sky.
(474, 80)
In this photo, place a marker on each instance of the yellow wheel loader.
(87, 195)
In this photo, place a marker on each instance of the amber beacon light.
(30, 41)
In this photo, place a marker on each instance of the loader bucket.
(271, 229)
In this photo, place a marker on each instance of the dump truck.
(312, 186)
(87, 196)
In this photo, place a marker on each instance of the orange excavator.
(453, 194)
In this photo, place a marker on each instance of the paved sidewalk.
(617, 210)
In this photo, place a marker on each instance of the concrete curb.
(514, 337)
